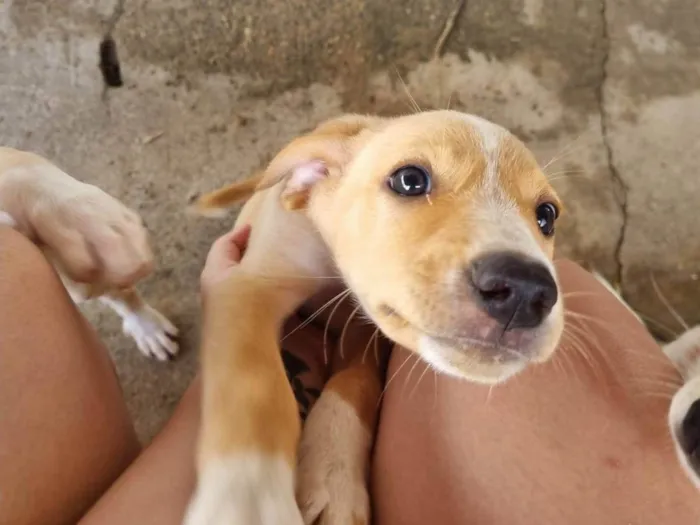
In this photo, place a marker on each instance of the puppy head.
(443, 225)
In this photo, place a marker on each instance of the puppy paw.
(245, 490)
(333, 465)
(334, 499)
(93, 236)
(684, 421)
(153, 333)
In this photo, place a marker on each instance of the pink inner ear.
(305, 175)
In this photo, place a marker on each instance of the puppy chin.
(466, 365)
(550, 334)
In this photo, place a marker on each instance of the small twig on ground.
(448, 28)
(152, 138)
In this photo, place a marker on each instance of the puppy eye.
(547, 214)
(410, 181)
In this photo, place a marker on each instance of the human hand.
(225, 254)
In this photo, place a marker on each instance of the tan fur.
(212, 203)
(360, 385)
(98, 246)
(323, 206)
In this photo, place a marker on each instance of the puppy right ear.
(215, 203)
(308, 160)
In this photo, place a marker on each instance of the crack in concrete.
(117, 13)
(621, 188)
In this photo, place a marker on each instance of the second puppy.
(97, 245)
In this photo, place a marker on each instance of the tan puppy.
(98, 246)
(441, 224)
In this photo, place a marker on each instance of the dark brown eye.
(547, 214)
(410, 181)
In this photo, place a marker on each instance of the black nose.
(514, 290)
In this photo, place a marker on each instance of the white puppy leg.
(150, 329)
(246, 489)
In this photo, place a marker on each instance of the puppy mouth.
(490, 350)
(494, 346)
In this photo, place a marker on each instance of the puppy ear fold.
(309, 159)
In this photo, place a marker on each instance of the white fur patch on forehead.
(502, 228)
(491, 137)
(490, 134)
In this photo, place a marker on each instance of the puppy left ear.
(309, 159)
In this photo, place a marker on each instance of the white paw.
(333, 463)
(246, 490)
(152, 332)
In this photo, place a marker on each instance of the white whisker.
(318, 312)
(393, 376)
(667, 304)
(414, 105)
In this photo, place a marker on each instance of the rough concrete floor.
(604, 91)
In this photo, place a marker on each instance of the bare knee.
(57, 380)
(21, 262)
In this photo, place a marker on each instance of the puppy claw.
(152, 333)
(349, 507)
(312, 500)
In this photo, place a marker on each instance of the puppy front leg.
(250, 422)
(336, 444)
(92, 234)
(152, 332)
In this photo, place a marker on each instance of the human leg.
(581, 439)
(65, 434)
(156, 488)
